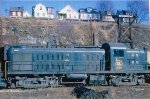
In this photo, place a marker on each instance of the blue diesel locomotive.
(110, 64)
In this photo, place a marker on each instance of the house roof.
(16, 9)
(63, 11)
(124, 12)
(26, 14)
(109, 46)
(109, 13)
(33, 7)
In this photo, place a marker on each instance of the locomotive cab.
(126, 66)
(115, 56)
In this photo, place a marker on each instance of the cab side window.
(118, 53)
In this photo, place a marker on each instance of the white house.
(50, 12)
(89, 13)
(41, 11)
(68, 13)
(26, 14)
(107, 16)
(16, 12)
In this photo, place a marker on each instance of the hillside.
(66, 33)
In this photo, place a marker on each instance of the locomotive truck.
(109, 64)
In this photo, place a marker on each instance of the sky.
(56, 4)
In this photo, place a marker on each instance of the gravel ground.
(48, 93)
(65, 93)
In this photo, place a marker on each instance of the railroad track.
(96, 86)
(142, 86)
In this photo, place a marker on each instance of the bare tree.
(139, 8)
(105, 5)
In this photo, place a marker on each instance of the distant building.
(86, 14)
(26, 14)
(50, 12)
(16, 12)
(68, 13)
(40, 11)
(106, 16)
(125, 15)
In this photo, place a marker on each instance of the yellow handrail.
(6, 69)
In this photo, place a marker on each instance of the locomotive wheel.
(115, 81)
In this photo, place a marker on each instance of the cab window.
(118, 53)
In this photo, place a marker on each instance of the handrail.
(6, 69)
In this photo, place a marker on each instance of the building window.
(43, 14)
(37, 14)
(40, 7)
(19, 13)
(52, 57)
(62, 57)
(118, 53)
(58, 57)
(49, 11)
(42, 57)
(13, 13)
(47, 57)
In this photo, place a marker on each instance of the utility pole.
(93, 36)
(91, 32)
(130, 34)
(14, 29)
(119, 29)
